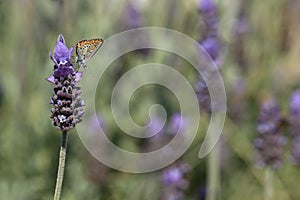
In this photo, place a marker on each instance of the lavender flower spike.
(270, 142)
(62, 55)
(209, 13)
(295, 104)
(206, 6)
(67, 104)
(175, 182)
(294, 121)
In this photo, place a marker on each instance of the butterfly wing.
(86, 49)
(94, 47)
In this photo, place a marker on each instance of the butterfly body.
(86, 49)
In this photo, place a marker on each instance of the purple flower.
(172, 176)
(156, 126)
(67, 108)
(295, 103)
(202, 92)
(294, 121)
(270, 150)
(270, 142)
(270, 117)
(175, 182)
(295, 154)
(206, 6)
(208, 11)
(211, 43)
(212, 46)
(62, 55)
(177, 122)
(131, 17)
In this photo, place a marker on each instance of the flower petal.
(51, 79)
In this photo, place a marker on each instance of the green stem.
(61, 165)
(268, 184)
(214, 173)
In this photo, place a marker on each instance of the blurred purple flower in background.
(155, 133)
(156, 126)
(269, 118)
(212, 46)
(202, 93)
(173, 176)
(174, 181)
(131, 17)
(177, 122)
(209, 13)
(270, 142)
(67, 108)
(207, 7)
(294, 121)
(211, 43)
(295, 104)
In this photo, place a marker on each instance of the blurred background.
(258, 48)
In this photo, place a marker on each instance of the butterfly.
(86, 49)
